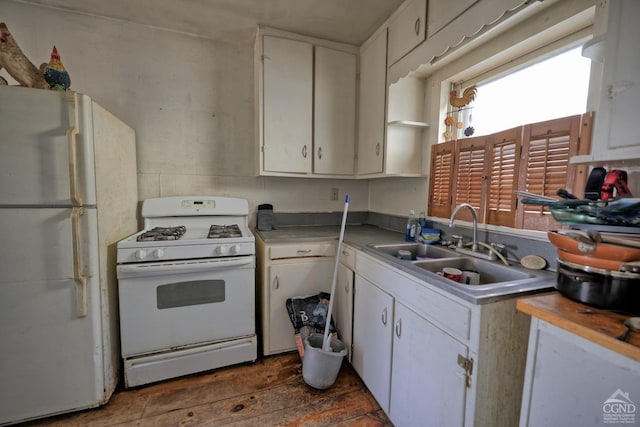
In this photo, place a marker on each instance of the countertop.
(355, 235)
(362, 236)
(596, 325)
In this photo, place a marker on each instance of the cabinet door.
(287, 281)
(373, 80)
(592, 385)
(407, 30)
(372, 321)
(343, 306)
(620, 102)
(442, 12)
(334, 112)
(428, 386)
(287, 105)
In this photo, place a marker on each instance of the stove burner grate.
(224, 231)
(162, 233)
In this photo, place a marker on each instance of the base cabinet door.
(571, 381)
(288, 281)
(343, 306)
(372, 327)
(425, 374)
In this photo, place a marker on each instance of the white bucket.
(320, 368)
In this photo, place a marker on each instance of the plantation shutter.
(441, 179)
(502, 170)
(547, 148)
(469, 177)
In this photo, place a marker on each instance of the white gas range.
(187, 288)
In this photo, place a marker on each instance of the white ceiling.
(348, 21)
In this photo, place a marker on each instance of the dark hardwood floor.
(270, 392)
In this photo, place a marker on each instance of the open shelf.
(408, 123)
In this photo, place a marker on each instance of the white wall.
(189, 99)
(396, 196)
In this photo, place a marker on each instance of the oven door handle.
(194, 266)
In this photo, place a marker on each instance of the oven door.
(171, 305)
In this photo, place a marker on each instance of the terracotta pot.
(589, 261)
(583, 246)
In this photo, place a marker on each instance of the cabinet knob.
(384, 316)
(304, 151)
(416, 27)
(399, 328)
(319, 152)
(276, 282)
(378, 149)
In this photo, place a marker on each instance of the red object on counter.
(615, 180)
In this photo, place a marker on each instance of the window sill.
(529, 234)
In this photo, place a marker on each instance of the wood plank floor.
(270, 392)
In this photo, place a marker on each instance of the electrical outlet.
(334, 194)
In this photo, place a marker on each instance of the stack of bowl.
(599, 269)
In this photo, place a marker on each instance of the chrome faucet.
(474, 246)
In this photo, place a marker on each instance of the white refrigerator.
(68, 193)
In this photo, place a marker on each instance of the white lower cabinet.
(571, 381)
(425, 373)
(287, 271)
(343, 302)
(288, 281)
(372, 328)
(432, 359)
(409, 365)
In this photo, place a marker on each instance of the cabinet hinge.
(467, 365)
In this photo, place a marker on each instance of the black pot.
(613, 290)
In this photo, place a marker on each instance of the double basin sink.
(495, 277)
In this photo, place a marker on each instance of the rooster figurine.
(468, 95)
(54, 73)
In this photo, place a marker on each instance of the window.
(486, 171)
(552, 88)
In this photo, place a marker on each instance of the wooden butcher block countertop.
(596, 325)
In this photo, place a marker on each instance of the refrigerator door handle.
(80, 279)
(72, 138)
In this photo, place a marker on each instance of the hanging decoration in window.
(457, 103)
(468, 95)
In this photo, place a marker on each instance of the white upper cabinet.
(407, 30)
(373, 74)
(442, 12)
(287, 105)
(405, 127)
(616, 140)
(335, 111)
(393, 148)
(305, 106)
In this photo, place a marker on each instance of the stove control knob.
(158, 253)
(235, 249)
(141, 254)
(221, 250)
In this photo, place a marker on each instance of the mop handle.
(326, 341)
